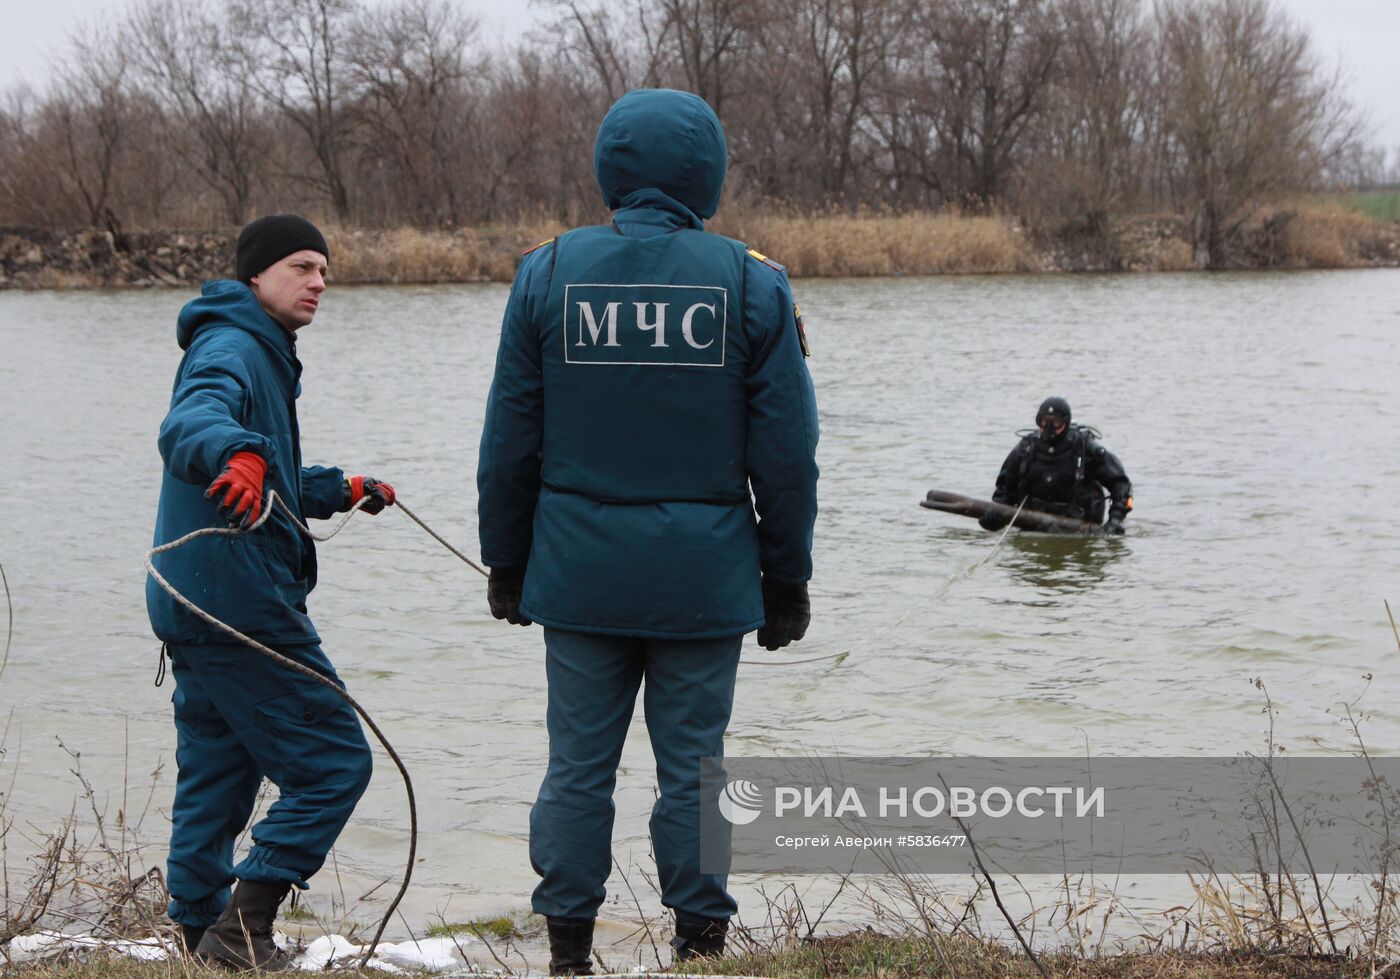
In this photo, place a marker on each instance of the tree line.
(198, 113)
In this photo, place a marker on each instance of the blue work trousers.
(593, 683)
(240, 716)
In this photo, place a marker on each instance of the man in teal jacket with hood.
(229, 438)
(647, 488)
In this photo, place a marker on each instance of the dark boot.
(570, 945)
(190, 936)
(698, 937)
(242, 937)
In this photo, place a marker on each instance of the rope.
(962, 575)
(10, 613)
(273, 498)
(969, 572)
(435, 536)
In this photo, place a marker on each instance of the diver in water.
(1063, 469)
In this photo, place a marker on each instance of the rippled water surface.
(1257, 415)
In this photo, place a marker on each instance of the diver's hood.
(1057, 408)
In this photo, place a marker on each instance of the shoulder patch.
(801, 331)
(534, 247)
(755, 253)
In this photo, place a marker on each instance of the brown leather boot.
(242, 937)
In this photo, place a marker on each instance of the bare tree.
(89, 117)
(205, 85)
(295, 47)
(812, 75)
(1070, 112)
(410, 65)
(615, 43)
(28, 194)
(1246, 112)
(1095, 118)
(997, 57)
(705, 37)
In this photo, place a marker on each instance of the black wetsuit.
(1068, 476)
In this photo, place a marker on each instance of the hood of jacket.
(232, 303)
(657, 146)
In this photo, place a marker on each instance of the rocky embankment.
(36, 258)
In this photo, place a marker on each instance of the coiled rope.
(274, 499)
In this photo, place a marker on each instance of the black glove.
(1114, 527)
(503, 594)
(786, 613)
(991, 522)
(380, 493)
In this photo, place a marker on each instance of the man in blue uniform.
(229, 438)
(650, 395)
(1063, 469)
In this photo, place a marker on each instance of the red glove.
(241, 486)
(380, 494)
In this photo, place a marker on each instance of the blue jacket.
(650, 395)
(236, 390)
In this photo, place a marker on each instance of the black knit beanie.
(272, 238)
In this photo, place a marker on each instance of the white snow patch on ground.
(430, 954)
(43, 944)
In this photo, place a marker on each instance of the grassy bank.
(1338, 232)
(864, 956)
(914, 957)
(1380, 205)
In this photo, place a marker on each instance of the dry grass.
(1310, 233)
(868, 954)
(1317, 234)
(1168, 255)
(408, 255)
(809, 245)
(862, 954)
(874, 244)
(116, 967)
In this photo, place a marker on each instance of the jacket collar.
(233, 303)
(650, 212)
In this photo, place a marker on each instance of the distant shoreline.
(1304, 235)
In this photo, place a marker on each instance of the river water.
(1256, 413)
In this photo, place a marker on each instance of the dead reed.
(825, 245)
(410, 256)
(1318, 234)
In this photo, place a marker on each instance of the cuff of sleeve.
(247, 442)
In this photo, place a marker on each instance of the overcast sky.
(1362, 36)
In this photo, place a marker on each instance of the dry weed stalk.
(82, 875)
